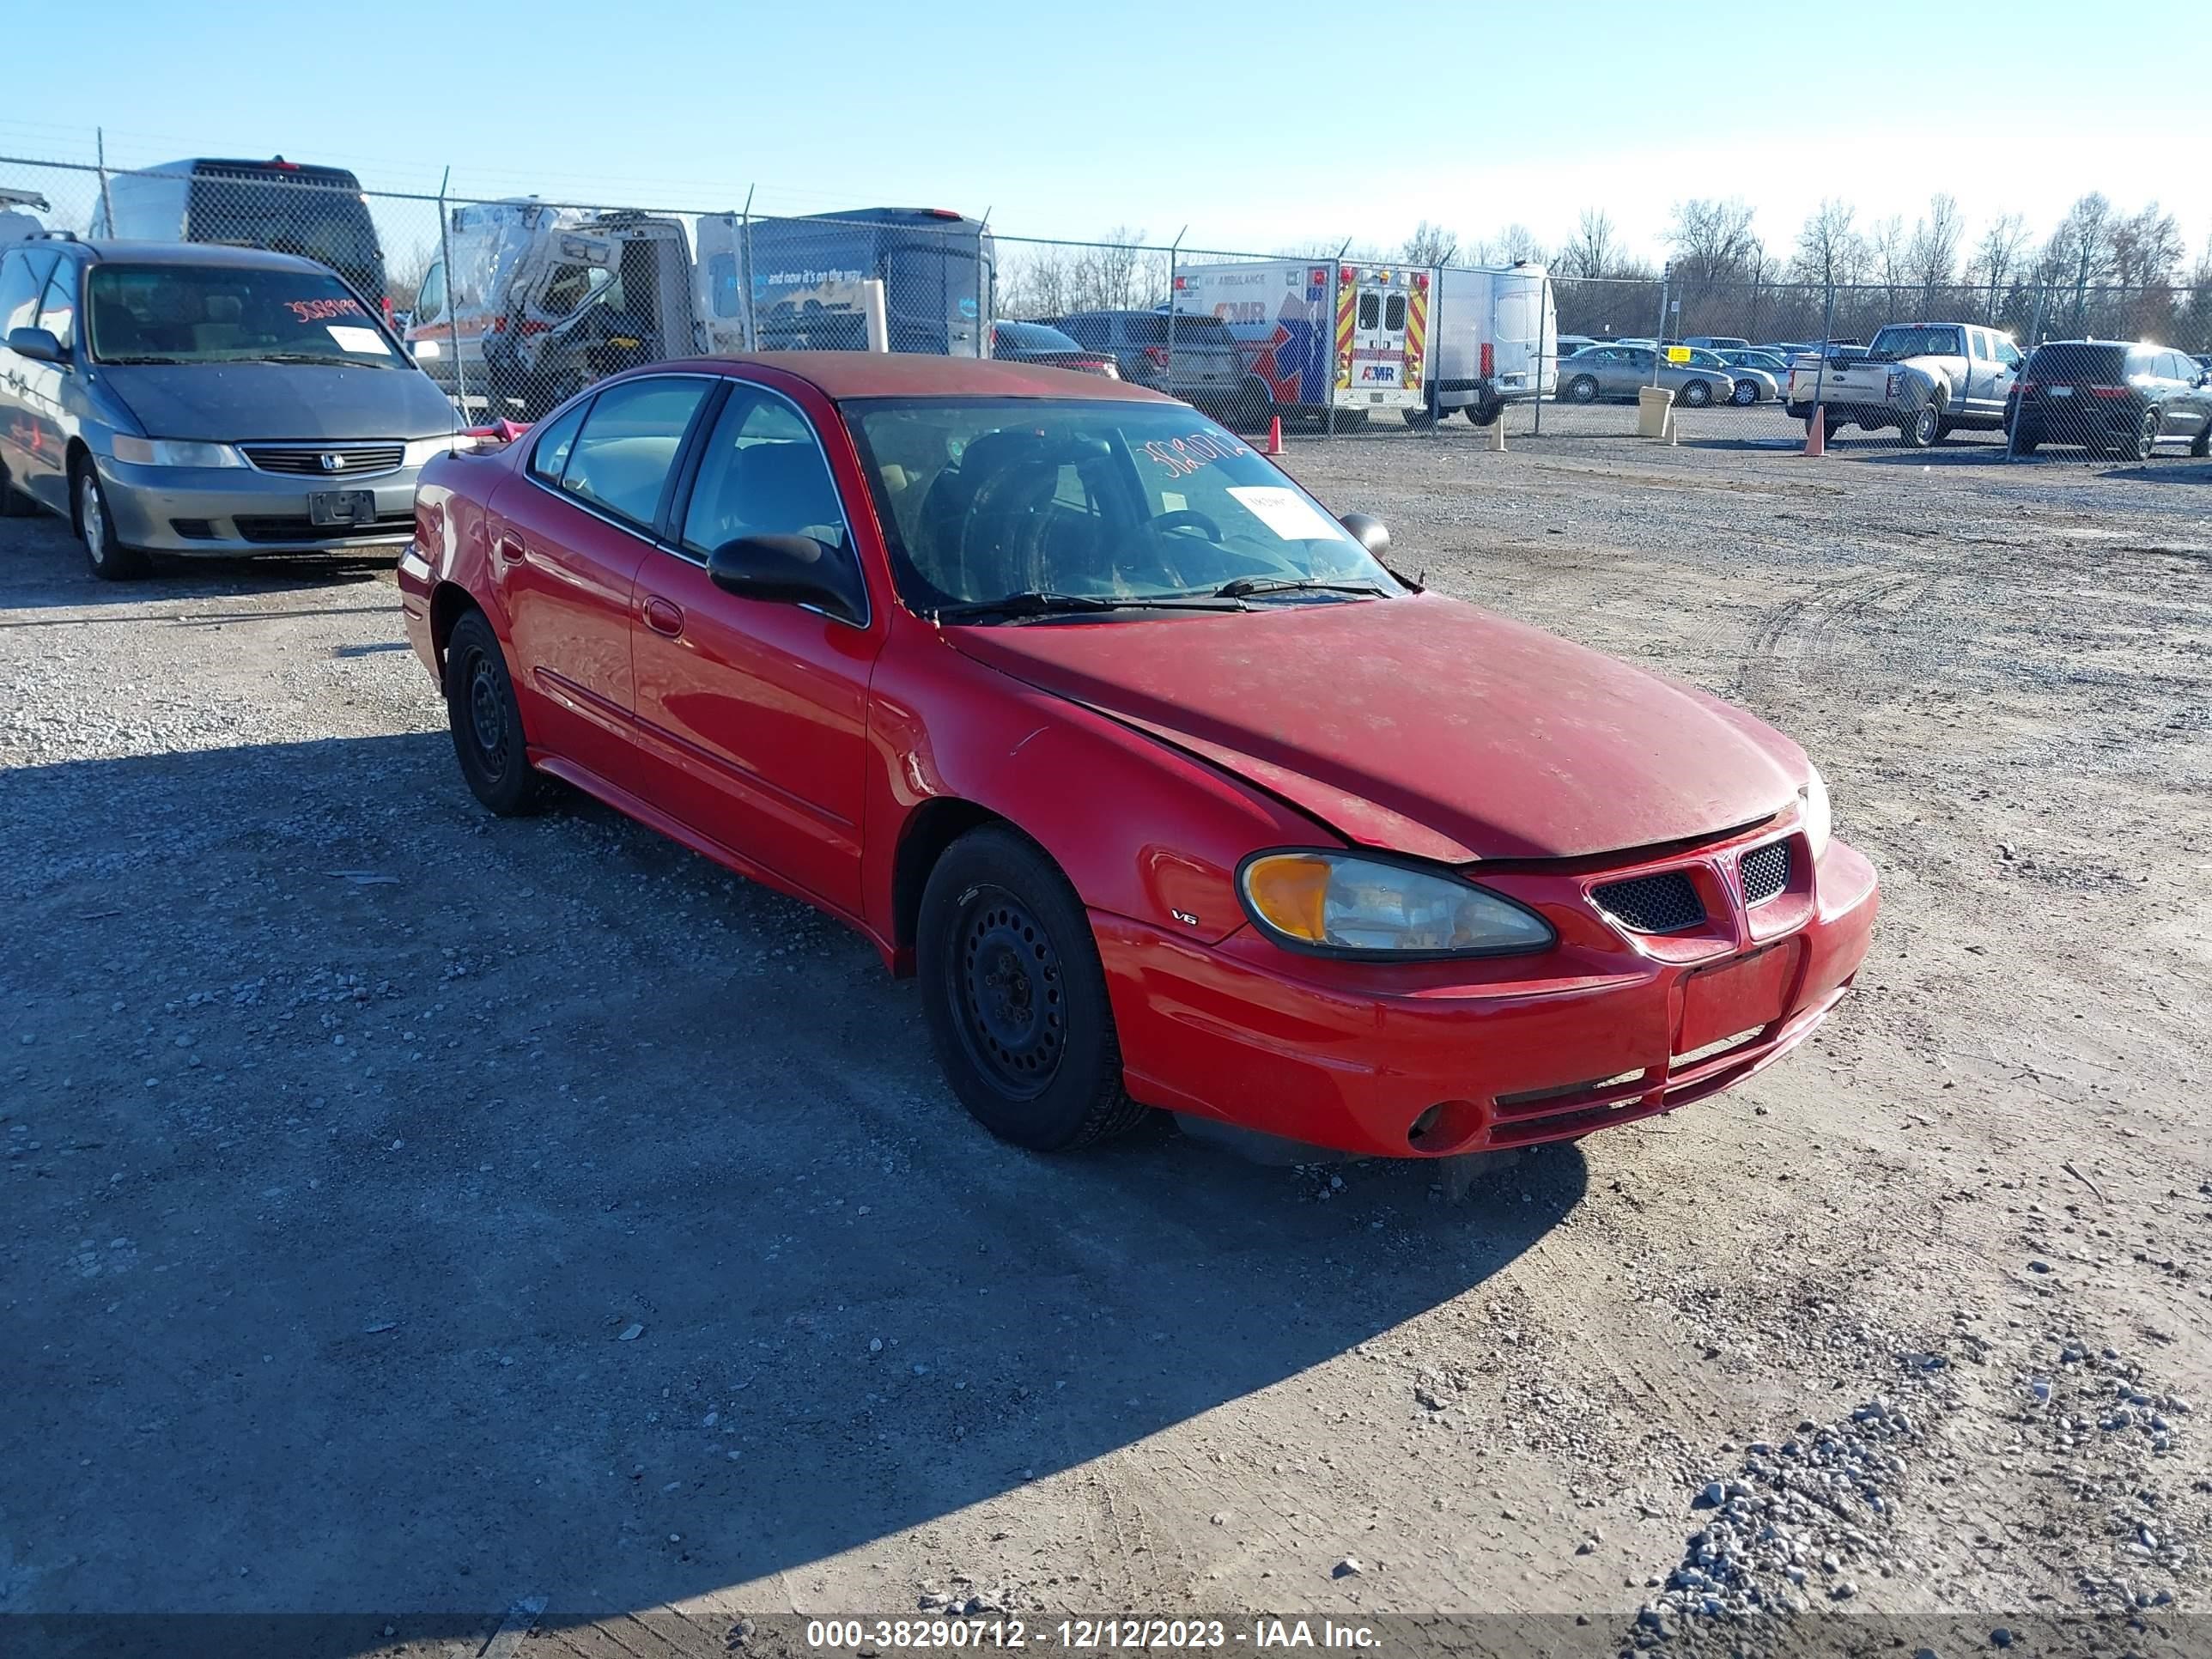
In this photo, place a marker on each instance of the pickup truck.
(1924, 379)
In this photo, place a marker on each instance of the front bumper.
(1607, 1028)
(230, 511)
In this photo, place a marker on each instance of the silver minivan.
(174, 398)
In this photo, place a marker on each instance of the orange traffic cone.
(1274, 436)
(1816, 433)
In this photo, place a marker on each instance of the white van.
(1494, 339)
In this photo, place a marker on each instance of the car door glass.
(622, 457)
(23, 278)
(763, 473)
(430, 297)
(2007, 353)
(1981, 343)
(57, 308)
(555, 440)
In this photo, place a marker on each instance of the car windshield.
(1113, 501)
(211, 314)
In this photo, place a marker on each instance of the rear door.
(568, 534)
(44, 386)
(1378, 339)
(754, 714)
(23, 276)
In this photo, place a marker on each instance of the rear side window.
(58, 311)
(622, 457)
(1981, 344)
(554, 443)
(23, 278)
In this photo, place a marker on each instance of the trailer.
(1319, 336)
(1494, 339)
(803, 283)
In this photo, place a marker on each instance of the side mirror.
(786, 570)
(1369, 533)
(38, 344)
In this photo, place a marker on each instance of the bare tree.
(1594, 249)
(1515, 241)
(1830, 250)
(1429, 245)
(2146, 248)
(1886, 250)
(1712, 243)
(2001, 254)
(1933, 255)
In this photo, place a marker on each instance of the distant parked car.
(1716, 342)
(2106, 394)
(1751, 385)
(1617, 372)
(1208, 369)
(1566, 345)
(2204, 359)
(175, 398)
(1033, 343)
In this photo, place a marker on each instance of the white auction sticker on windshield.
(356, 340)
(1286, 512)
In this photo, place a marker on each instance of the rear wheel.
(2143, 441)
(109, 558)
(1923, 426)
(486, 722)
(1746, 394)
(2024, 445)
(1256, 407)
(1695, 394)
(1583, 389)
(2201, 446)
(1015, 997)
(1485, 411)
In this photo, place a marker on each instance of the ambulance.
(1319, 335)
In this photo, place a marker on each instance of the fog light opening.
(1450, 1126)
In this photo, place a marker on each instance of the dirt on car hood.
(1421, 724)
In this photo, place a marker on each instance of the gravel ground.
(408, 1210)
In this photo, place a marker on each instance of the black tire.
(1256, 407)
(14, 503)
(1583, 389)
(1421, 419)
(486, 721)
(2201, 445)
(1745, 395)
(1016, 999)
(1485, 411)
(1695, 394)
(2141, 444)
(2025, 445)
(106, 557)
(1924, 427)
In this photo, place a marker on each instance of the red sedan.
(1169, 790)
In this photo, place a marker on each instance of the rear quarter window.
(2074, 362)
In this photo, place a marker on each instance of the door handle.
(510, 548)
(664, 617)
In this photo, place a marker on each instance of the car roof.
(840, 375)
(198, 253)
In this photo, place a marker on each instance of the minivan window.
(57, 309)
(170, 313)
(622, 459)
(22, 279)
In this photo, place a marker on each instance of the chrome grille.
(1765, 871)
(1664, 903)
(311, 460)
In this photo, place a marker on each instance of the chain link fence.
(512, 304)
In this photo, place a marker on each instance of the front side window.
(430, 298)
(209, 314)
(763, 473)
(22, 279)
(2007, 353)
(1109, 500)
(57, 310)
(621, 456)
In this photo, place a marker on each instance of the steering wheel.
(1185, 518)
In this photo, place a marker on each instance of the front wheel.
(1015, 996)
(1583, 389)
(486, 721)
(1746, 394)
(1696, 394)
(14, 503)
(109, 558)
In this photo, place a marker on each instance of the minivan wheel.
(14, 503)
(2143, 441)
(1696, 394)
(486, 722)
(1016, 999)
(109, 558)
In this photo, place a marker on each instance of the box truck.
(799, 285)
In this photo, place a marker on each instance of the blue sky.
(1257, 125)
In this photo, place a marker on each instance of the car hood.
(230, 403)
(1421, 724)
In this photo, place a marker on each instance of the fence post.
(106, 204)
(1659, 335)
(2034, 335)
(1820, 374)
(745, 269)
(1174, 253)
(1543, 311)
(453, 321)
(1328, 340)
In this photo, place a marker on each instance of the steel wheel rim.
(1011, 994)
(90, 513)
(487, 714)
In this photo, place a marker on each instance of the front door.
(753, 714)
(568, 537)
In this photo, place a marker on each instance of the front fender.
(1140, 829)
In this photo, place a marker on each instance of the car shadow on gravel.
(44, 568)
(417, 1212)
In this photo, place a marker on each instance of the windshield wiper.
(314, 357)
(111, 361)
(1018, 605)
(1244, 586)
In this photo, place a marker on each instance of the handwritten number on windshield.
(317, 311)
(1181, 457)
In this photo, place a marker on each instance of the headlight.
(175, 452)
(1346, 904)
(1814, 796)
(424, 449)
